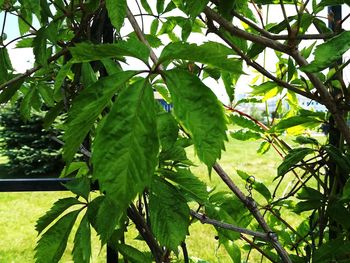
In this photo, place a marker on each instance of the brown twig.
(206, 220)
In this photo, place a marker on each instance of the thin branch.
(262, 70)
(243, 34)
(3, 25)
(206, 220)
(82, 149)
(289, 29)
(32, 70)
(142, 22)
(255, 246)
(17, 38)
(140, 35)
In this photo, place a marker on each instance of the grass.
(19, 211)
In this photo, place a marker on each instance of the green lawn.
(19, 211)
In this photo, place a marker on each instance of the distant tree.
(136, 151)
(30, 149)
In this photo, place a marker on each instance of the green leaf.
(7, 93)
(46, 93)
(304, 121)
(169, 214)
(331, 250)
(324, 3)
(82, 242)
(117, 10)
(339, 213)
(40, 50)
(154, 26)
(87, 106)
(308, 193)
(132, 254)
(338, 157)
(307, 206)
(189, 184)
(306, 140)
(292, 158)
(126, 146)
(160, 6)
(195, 7)
(79, 186)
(246, 123)
(57, 209)
(167, 130)
(53, 242)
(60, 77)
(326, 54)
(105, 215)
(88, 76)
(26, 103)
(85, 52)
(200, 113)
(346, 191)
(52, 114)
(146, 6)
(232, 249)
(264, 147)
(258, 186)
(210, 53)
(245, 135)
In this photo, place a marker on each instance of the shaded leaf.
(79, 186)
(258, 186)
(292, 158)
(82, 242)
(132, 254)
(169, 214)
(245, 135)
(200, 113)
(246, 123)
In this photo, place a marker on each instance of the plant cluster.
(137, 152)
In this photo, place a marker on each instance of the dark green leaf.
(146, 6)
(324, 3)
(326, 54)
(61, 75)
(331, 250)
(210, 53)
(346, 190)
(246, 123)
(167, 130)
(201, 114)
(154, 26)
(292, 158)
(56, 210)
(340, 214)
(258, 186)
(40, 50)
(160, 6)
(85, 52)
(46, 93)
(52, 114)
(7, 93)
(307, 206)
(88, 76)
(82, 242)
(26, 103)
(79, 186)
(104, 215)
(189, 184)
(87, 106)
(195, 7)
(53, 242)
(338, 157)
(245, 135)
(126, 145)
(132, 254)
(308, 193)
(169, 214)
(117, 10)
(306, 140)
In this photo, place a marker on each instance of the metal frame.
(46, 185)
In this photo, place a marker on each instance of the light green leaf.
(132, 254)
(82, 242)
(85, 52)
(307, 122)
(264, 147)
(53, 242)
(326, 54)
(210, 53)
(201, 114)
(169, 214)
(126, 146)
(292, 158)
(87, 106)
(154, 26)
(117, 10)
(57, 209)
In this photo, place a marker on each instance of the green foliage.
(103, 80)
(203, 120)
